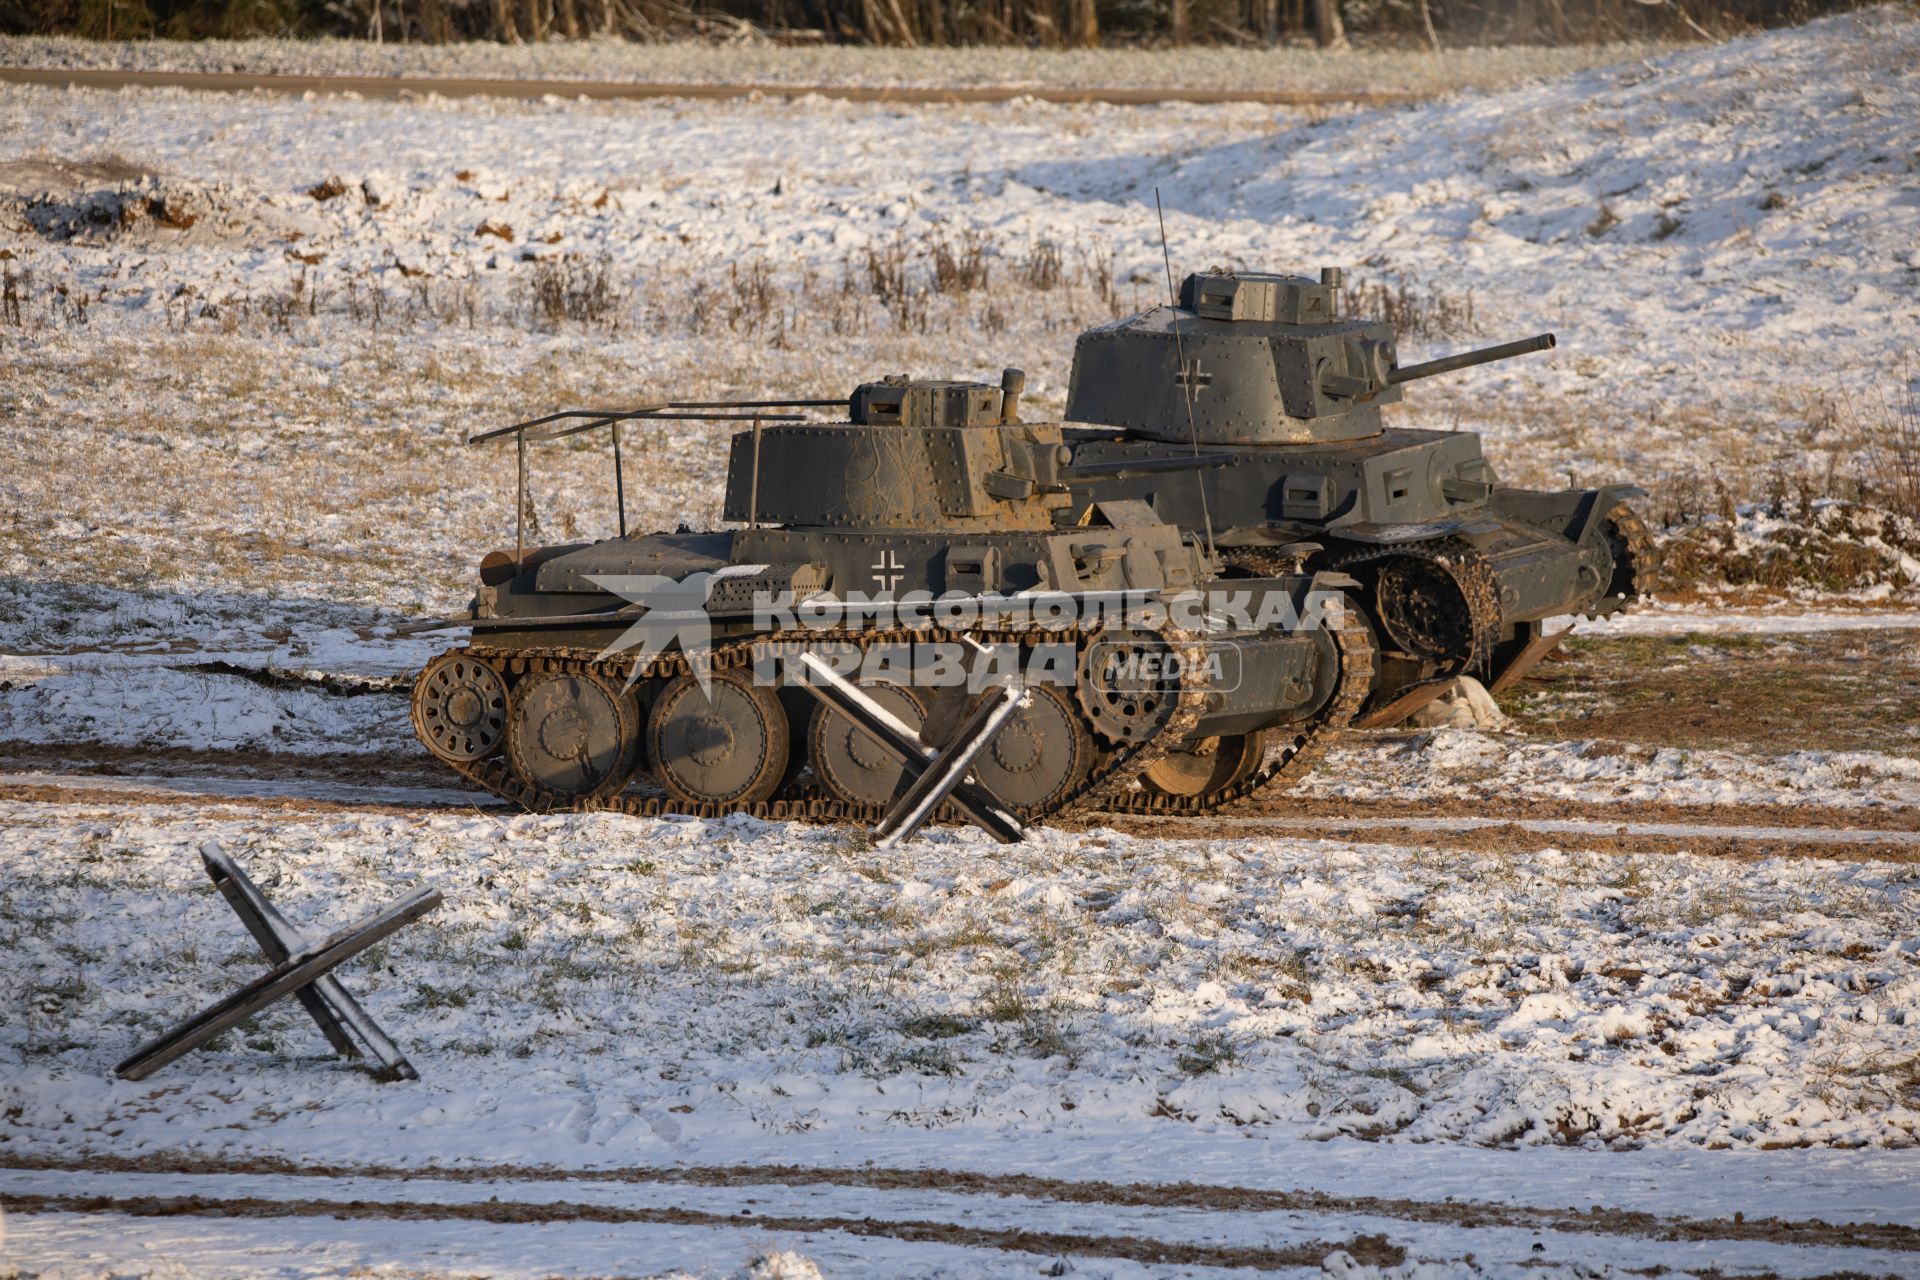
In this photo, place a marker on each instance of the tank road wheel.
(459, 708)
(575, 735)
(1207, 766)
(849, 763)
(1126, 687)
(1039, 755)
(730, 748)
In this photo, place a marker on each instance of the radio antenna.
(1187, 379)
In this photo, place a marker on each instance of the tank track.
(1301, 752)
(1110, 788)
(1636, 567)
(1470, 572)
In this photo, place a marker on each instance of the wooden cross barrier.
(301, 968)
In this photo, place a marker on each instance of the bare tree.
(1328, 31)
(1086, 24)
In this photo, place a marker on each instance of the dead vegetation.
(941, 286)
(1843, 515)
(1424, 313)
(571, 290)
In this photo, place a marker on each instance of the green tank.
(929, 544)
(1276, 401)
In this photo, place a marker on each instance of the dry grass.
(937, 286)
(286, 442)
(1428, 313)
(1839, 515)
(1891, 467)
(569, 290)
(1360, 69)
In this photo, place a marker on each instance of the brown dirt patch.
(53, 793)
(1514, 837)
(1827, 691)
(374, 769)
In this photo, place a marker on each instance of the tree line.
(913, 23)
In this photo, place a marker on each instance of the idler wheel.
(730, 747)
(575, 735)
(1039, 755)
(852, 765)
(459, 708)
(1206, 766)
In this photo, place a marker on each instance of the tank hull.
(1108, 623)
(1396, 509)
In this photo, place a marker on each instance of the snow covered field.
(615, 994)
(233, 460)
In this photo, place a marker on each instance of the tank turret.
(912, 455)
(1248, 358)
(1271, 402)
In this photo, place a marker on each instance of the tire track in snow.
(1855, 836)
(1019, 1240)
(1598, 1220)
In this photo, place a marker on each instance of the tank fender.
(1477, 525)
(669, 555)
(1573, 514)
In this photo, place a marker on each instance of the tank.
(929, 544)
(1273, 404)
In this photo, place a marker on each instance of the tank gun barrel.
(1467, 359)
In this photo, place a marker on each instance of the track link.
(1300, 753)
(1111, 788)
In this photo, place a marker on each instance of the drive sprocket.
(1438, 600)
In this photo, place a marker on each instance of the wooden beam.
(233, 885)
(946, 771)
(335, 1004)
(1529, 657)
(891, 734)
(1403, 706)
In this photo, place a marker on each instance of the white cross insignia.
(1192, 377)
(888, 571)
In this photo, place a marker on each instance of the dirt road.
(90, 774)
(904, 95)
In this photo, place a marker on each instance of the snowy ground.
(609, 993)
(1429, 1054)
